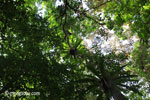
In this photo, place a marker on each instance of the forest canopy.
(74, 49)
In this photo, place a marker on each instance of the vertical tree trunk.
(115, 92)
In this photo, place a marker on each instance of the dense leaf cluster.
(45, 52)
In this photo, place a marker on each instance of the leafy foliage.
(46, 53)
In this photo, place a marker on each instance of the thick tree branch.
(99, 5)
(64, 30)
(84, 13)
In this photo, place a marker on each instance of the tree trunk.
(115, 92)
